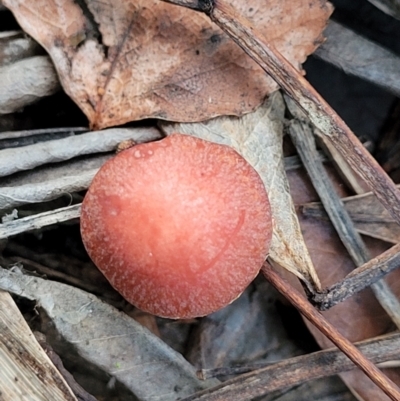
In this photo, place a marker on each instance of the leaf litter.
(360, 317)
(93, 99)
(127, 60)
(109, 339)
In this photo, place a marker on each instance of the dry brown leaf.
(358, 318)
(126, 60)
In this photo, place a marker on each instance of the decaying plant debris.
(41, 184)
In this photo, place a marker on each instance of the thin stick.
(358, 279)
(40, 220)
(297, 87)
(292, 371)
(306, 309)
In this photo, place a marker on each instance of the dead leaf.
(109, 339)
(247, 332)
(15, 46)
(358, 318)
(258, 138)
(132, 59)
(26, 81)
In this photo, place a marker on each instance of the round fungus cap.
(179, 227)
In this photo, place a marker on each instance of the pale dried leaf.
(131, 59)
(247, 332)
(15, 45)
(391, 7)
(26, 371)
(109, 339)
(356, 55)
(28, 157)
(258, 138)
(25, 81)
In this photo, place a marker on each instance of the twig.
(39, 221)
(359, 279)
(30, 137)
(292, 372)
(305, 308)
(294, 84)
(303, 139)
(361, 57)
(299, 369)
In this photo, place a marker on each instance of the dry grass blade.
(24, 81)
(306, 309)
(293, 83)
(15, 45)
(33, 132)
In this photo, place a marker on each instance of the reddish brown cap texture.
(179, 227)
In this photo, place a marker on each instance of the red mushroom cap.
(179, 227)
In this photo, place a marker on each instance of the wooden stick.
(358, 279)
(273, 376)
(297, 87)
(40, 220)
(306, 309)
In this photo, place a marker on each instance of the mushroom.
(179, 227)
